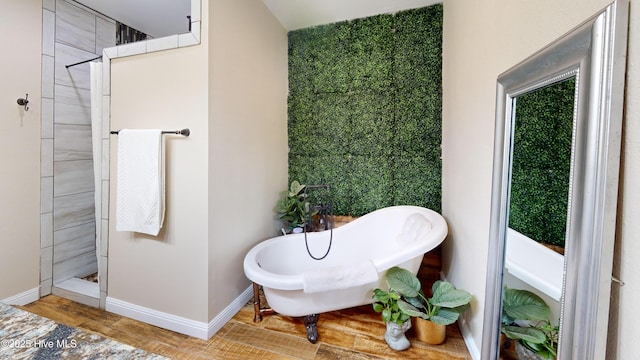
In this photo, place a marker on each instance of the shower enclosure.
(70, 153)
(73, 143)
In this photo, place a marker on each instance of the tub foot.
(257, 307)
(310, 322)
(257, 315)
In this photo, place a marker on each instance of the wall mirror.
(555, 182)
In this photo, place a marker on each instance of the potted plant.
(525, 319)
(431, 315)
(292, 207)
(396, 321)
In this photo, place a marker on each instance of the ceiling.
(164, 18)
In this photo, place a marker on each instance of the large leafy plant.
(445, 305)
(525, 318)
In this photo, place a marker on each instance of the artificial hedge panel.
(365, 110)
(542, 162)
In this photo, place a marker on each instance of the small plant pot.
(429, 332)
(395, 335)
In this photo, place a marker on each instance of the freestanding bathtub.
(360, 252)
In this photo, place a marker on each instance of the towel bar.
(184, 132)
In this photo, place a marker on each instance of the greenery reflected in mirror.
(543, 132)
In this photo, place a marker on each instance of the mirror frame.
(595, 52)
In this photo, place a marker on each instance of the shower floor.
(79, 290)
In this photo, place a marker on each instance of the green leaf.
(386, 315)
(377, 307)
(295, 188)
(445, 317)
(403, 281)
(451, 299)
(416, 301)
(524, 305)
(528, 334)
(411, 310)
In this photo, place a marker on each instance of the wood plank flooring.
(356, 333)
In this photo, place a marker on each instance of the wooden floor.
(355, 333)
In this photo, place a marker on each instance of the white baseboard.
(468, 339)
(23, 298)
(222, 318)
(472, 347)
(179, 324)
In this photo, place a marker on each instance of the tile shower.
(68, 248)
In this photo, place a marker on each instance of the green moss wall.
(364, 110)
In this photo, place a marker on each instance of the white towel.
(339, 277)
(140, 181)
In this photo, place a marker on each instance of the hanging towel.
(140, 181)
(339, 277)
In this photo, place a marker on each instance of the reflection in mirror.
(555, 180)
(542, 143)
(543, 127)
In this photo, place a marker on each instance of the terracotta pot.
(429, 332)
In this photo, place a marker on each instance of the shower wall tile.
(46, 157)
(45, 287)
(110, 52)
(75, 26)
(73, 142)
(73, 242)
(72, 114)
(79, 266)
(49, 5)
(105, 161)
(163, 43)
(46, 230)
(48, 67)
(72, 177)
(72, 106)
(105, 201)
(48, 32)
(46, 262)
(102, 280)
(46, 194)
(106, 102)
(134, 48)
(73, 210)
(76, 76)
(195, 10)
(104, 238)
(46, 128)
(192, 38)
(105, 34)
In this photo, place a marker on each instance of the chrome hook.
(24, 102)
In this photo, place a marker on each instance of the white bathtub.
(397, 235)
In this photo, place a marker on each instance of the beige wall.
(21, 38)
(623, 317)
(166, 90)
(481, 40)
(223, 180)
(248, 138)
